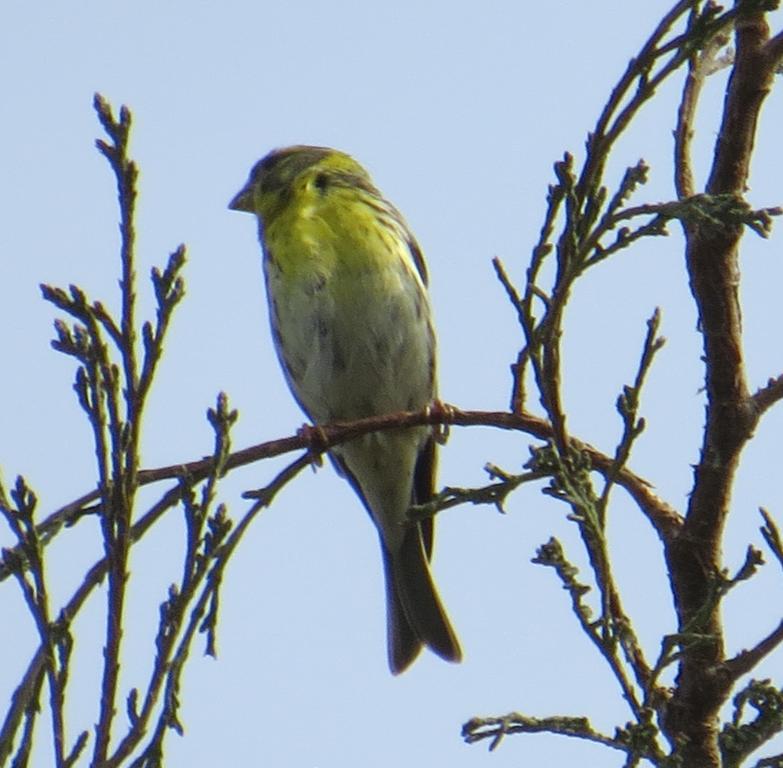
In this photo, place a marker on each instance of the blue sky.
(459, 113)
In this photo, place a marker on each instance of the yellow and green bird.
(351, 322)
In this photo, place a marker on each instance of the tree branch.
(664, 518)
(694, 556)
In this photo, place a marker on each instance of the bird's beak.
(243, 200)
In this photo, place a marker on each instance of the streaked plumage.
(351, 321)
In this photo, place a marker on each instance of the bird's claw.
(317, 442)
(438, 410)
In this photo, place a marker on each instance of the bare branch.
(745, 661)
(766, 397)
(663, 517)
(772, 536)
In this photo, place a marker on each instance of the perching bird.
(351, 322)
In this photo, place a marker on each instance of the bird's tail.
(415, 614)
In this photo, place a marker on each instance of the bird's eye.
(321, 182)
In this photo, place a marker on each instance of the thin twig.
(664, 517)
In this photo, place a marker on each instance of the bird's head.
(276, 177)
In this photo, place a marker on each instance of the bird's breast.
(355, 339)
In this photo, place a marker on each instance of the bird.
(351, 322)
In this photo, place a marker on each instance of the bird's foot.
(438, 410)
(317, 442)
